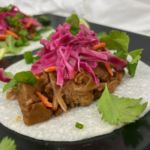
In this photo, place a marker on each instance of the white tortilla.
(62, 128)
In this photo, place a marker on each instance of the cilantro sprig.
(119, 41)
(118, 110)
(74, 21)
(136, 56)
(7, 144)
(79, 125)
(20, 77)
(116, 40)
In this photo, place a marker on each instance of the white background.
(132, 15)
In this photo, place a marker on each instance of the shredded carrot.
(44, 100)
(75, 73)
(28, 25)
(109, 69)
(3, 36)
(32, 34)
(119, 75)
(8, 32)
(50, 69)
(37, 77)
(99, 45)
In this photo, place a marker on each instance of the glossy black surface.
(135, 136)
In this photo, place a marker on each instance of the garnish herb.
(74, 21)
(25, 77)
(15, 21)
(9, 85)
(20, 27)
(7, 144)
(119, 41)
(29, 58)
(20, 77)
(136, 56)
(118, 110)
(79, 125)
(23, 33)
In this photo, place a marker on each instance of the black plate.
(135, 136)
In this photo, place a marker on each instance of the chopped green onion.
(28, 57)
(36, 37)
(79, 125)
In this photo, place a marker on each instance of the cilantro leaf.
(7, 144)
(25, 77)
(20, 77)
(117, 110)
(74, 21)
(9, 85)
(136, 56)
(117, 40)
